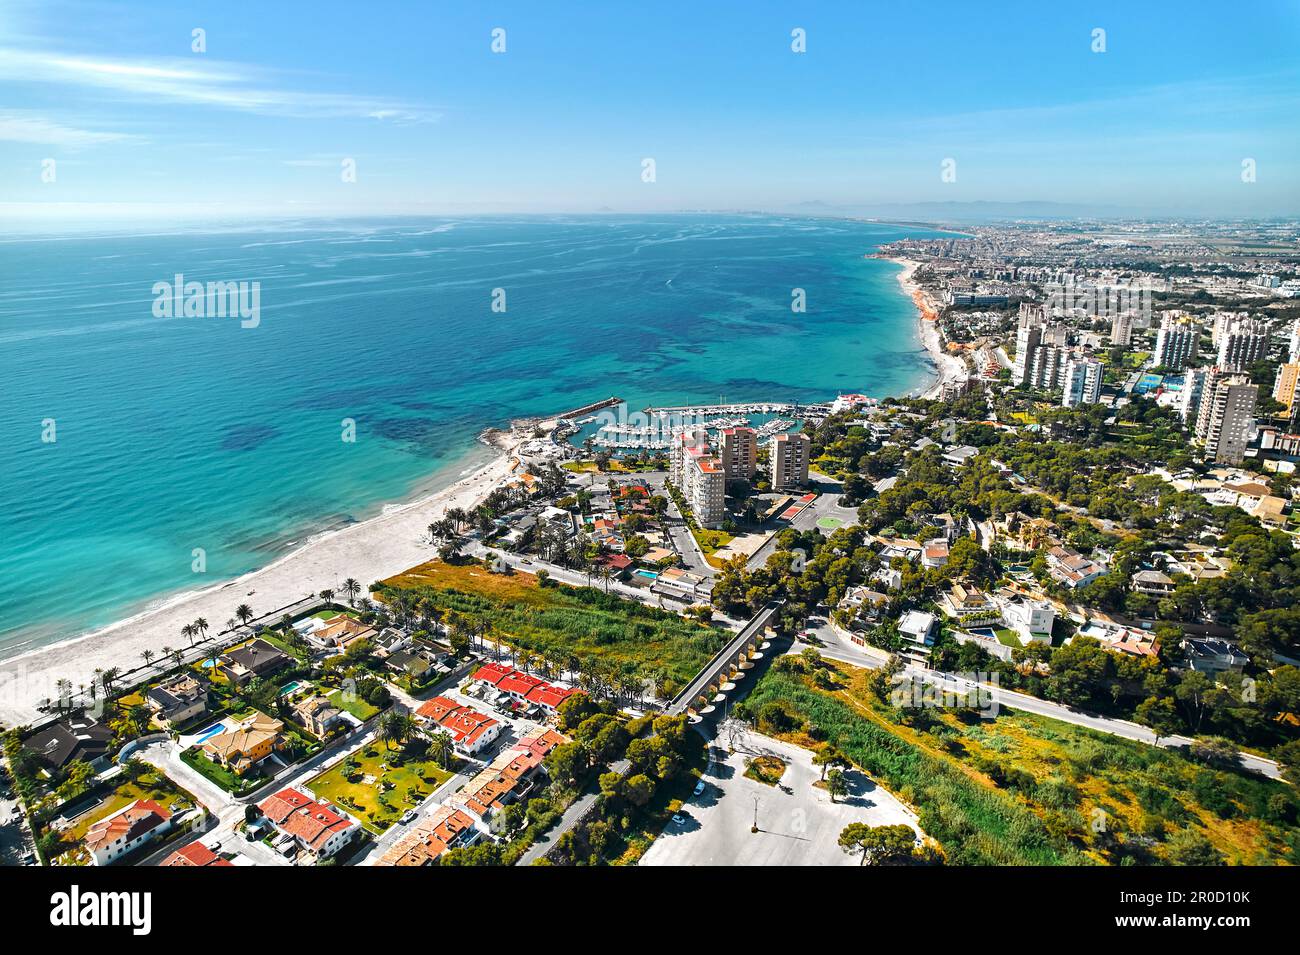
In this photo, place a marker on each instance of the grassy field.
(1025, 789)
(567, 621)
(381, 785)
(353, 704)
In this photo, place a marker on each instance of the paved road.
(576, 811)
(15, 838)
(838, 648)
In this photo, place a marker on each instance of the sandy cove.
(948, 366)
(369, 550)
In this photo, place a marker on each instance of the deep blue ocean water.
(177, 433)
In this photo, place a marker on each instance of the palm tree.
(148, 657)
(188, 631)
(351, 587)
(64, 688)
(441, 747)
(327, 595)
(201, 625)
(245, 613)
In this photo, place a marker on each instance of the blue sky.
(261, 122)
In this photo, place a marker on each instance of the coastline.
(380, 546)
(947, 367)
(386, 544)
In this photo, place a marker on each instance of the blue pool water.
(289, 688)
(210, 732)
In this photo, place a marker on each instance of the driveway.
(797, 822)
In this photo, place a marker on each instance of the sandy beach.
(368, 551)
(948, 366)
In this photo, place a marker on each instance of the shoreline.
(948, 368)
(371, 549)
(380, 546)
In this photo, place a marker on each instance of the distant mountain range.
(979, 211)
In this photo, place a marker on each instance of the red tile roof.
(521, 684)
(135, 820)
(195, 854)
(549, 696)
(493, 672)
(301, 816)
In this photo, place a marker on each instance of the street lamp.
(754, 827)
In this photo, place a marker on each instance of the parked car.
(408, 816)
(699, 787)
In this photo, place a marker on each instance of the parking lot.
(797, 822)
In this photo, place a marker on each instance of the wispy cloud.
(25, 127)
(218, 84)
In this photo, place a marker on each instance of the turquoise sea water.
(182, 433)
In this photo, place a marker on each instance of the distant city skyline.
(347, 109)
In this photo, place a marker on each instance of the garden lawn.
(380, 802)
(354, 705)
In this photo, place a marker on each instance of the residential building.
(1227, 417)
(935, 553)
(471, 731)
(253, 660)
(1241, 344)
(318, 715)
(196, 855)
(1029, 335)
(1082, 384)
(317, 828)
(1176, 342)
(1212, 655)
(864, 606)
(970, 606)
(126, 830)
(740, 453)
(1286, 388)
(78, 737)
(1155, 583)
(1121, 329)
(705, 488)
(789, 453)
(918, 628)
(448, 827)
(1046, 366)
(696, 439)
(1071, 568)
(1188, 403)
(1032, 620)
(245, 743)
(178, 700)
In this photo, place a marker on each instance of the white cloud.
(19, 127)
(217, 84)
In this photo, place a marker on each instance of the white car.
(678, 819)
(699, 787)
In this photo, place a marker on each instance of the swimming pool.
(647, 573)
(988, 633)
(210, 732)
(289, 688)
